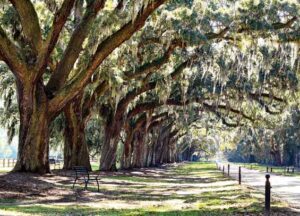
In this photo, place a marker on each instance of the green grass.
(95, 166)
(279, 170)
(5, 169)
(189, 189)
(82, 210)
(132, 178)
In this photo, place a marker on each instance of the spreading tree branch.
(64, 67)
(100, 89)
(30, 23)
(10, 55)
(155, 64)
(214, 108)
(72, 88)
(60, 18)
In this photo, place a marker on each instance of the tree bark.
(33, 151)
(76, 151)
(110, 145)
(138, 157)
(128, 148)
(109, 155)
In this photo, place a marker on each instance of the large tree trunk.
(33, 151)
(275, 152)
(150, 150)
(164, 151)
(126, 162)
(128, 149)
(153, 147)
(138, 157)
(173, 151)
(147, 154)
(109, 155)
(76, 151)
(161, 145)
(110, 145)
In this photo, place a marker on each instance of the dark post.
(240, 175)
(228, 169)
(271, 169)
(267, 169)
(223, 169)
(288, 169)
(293, 170)
(268, 195)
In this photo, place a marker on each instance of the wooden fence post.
(240, 175)
(268, 195)
(228, 169)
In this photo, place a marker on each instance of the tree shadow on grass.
(20, 185)
(157, 185)
(253, 209)
(167, 193)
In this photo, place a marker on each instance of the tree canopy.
(131, 80)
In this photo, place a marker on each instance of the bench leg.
(74, 182)
(86, 183)
(97, 184)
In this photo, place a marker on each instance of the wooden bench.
(289, 169)
(82, 173)
(53, 162)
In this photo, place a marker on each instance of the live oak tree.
(29, 57)
(109, 150)
(61, 58)
(273, 143)
(114, 112)
(221, 100)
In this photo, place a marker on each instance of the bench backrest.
(81, 171)
(52, 161)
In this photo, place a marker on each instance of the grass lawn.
(5, 169)
(95, 166)
(279, 170)
(182, 189)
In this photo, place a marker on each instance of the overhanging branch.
(30, 23)
(10, 55)
(72, 88)
(59, 21)
(64, 67)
